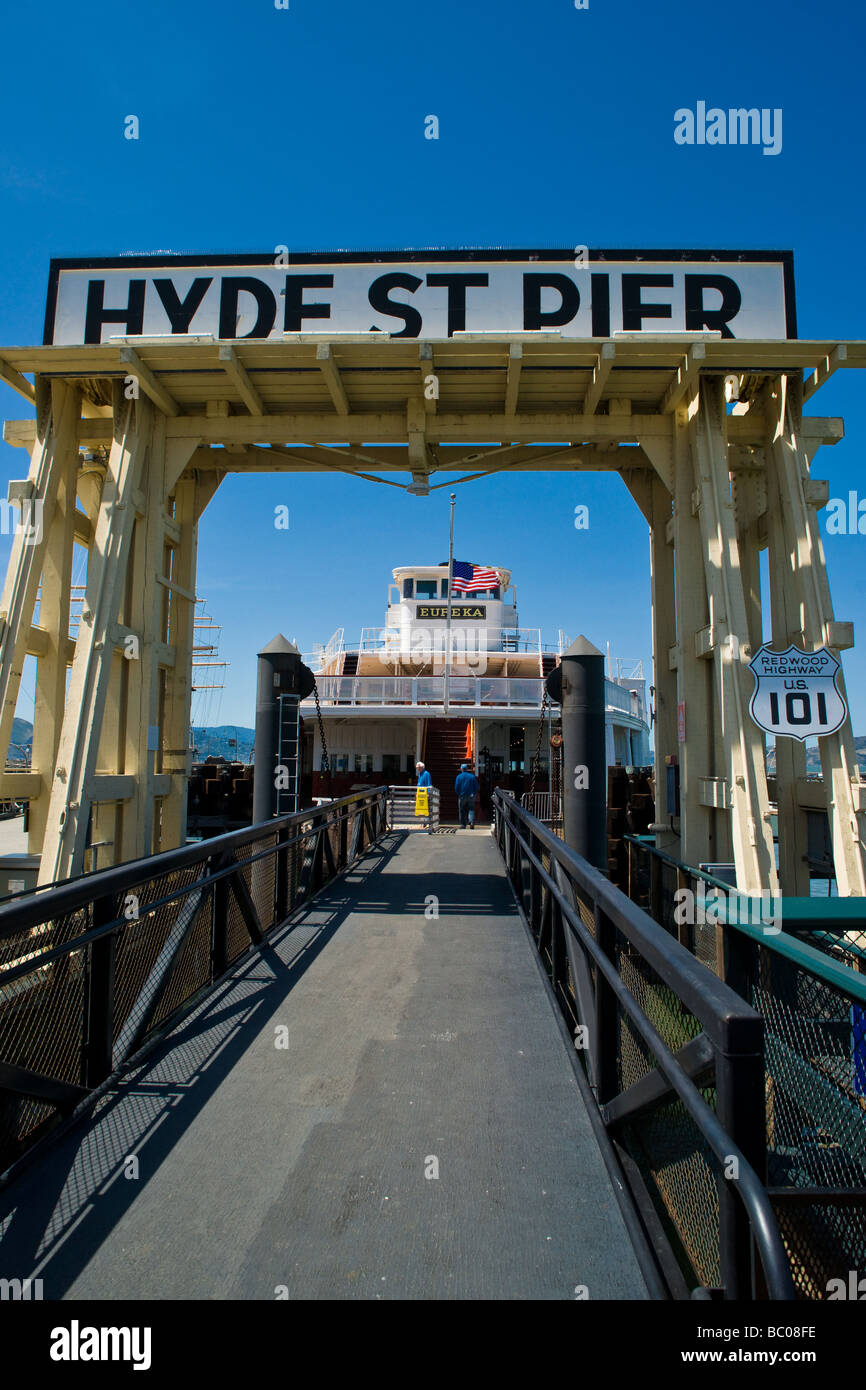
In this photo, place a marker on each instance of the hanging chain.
(536, 759)
(326, 761)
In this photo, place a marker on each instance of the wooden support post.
(68, 812)
(654, 500)
(664, 679)
(190, 497)
(811, 592)
(741, 741)
(56, 437)
(697, 841)
(54, 621)
(149, 617)
(786, 629)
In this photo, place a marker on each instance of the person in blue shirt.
(466, 788)
(424, 778)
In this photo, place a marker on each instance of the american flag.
(471, 579)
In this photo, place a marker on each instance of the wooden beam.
(815, 380)
(739, 743)
(806, 576)
(53, 460)
(149, 384)
(82, 528)
(238, 373)
(19, 383)
(20, 786)
(512, 380)
(390, 427)
(600, 373)
(687, 375)
(425, 357)
(421, 463)
(38, 641)
(331, 373)
(111, 786)
(176, 588)
(69, 808)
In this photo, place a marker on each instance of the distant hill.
(213, 741)
(813, 757)
(224, 741)
(22, 732)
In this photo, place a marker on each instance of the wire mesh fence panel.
(29, 1005)
(815, 1071)
(192, 968)
(72, 1014)
(816, 1116)
(261, 878)
(826, 1242)
(42, 1023)
(237, 933)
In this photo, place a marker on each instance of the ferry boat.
(404, 693)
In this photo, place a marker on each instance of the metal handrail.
(79, 892)
(728, 1022)
(162, 978)
(792, 948)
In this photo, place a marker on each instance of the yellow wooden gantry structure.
(129, 480)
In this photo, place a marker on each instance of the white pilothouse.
(405, 692)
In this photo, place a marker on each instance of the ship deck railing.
(395, 640)
(472, 691)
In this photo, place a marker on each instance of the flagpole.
(448, 622)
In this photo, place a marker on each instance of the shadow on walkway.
(78, 1181)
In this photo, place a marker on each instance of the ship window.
(407, 587)
(363, 762)
(392, 762)
(340, 762)
(427, 588)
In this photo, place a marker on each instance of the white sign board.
(416, 294)
(796, 695)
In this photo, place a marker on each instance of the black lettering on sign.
(457, 285)
(634, 311)
(232, 287)
(533, 314)
(296, 309)
(96, 314)
(440, 610)
(805, 715)
(600, 306)
(379, 297)
(697, 317)
(180, 311)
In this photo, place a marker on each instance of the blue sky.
(305, 127)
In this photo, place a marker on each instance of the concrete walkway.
(416, 1044)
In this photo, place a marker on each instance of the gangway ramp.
(416, 1041)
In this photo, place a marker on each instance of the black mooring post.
(280, 672)
(584, 760)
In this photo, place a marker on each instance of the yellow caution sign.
(422, 802)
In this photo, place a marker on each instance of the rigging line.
(292, 452)
(504, 468)
(351, 472)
